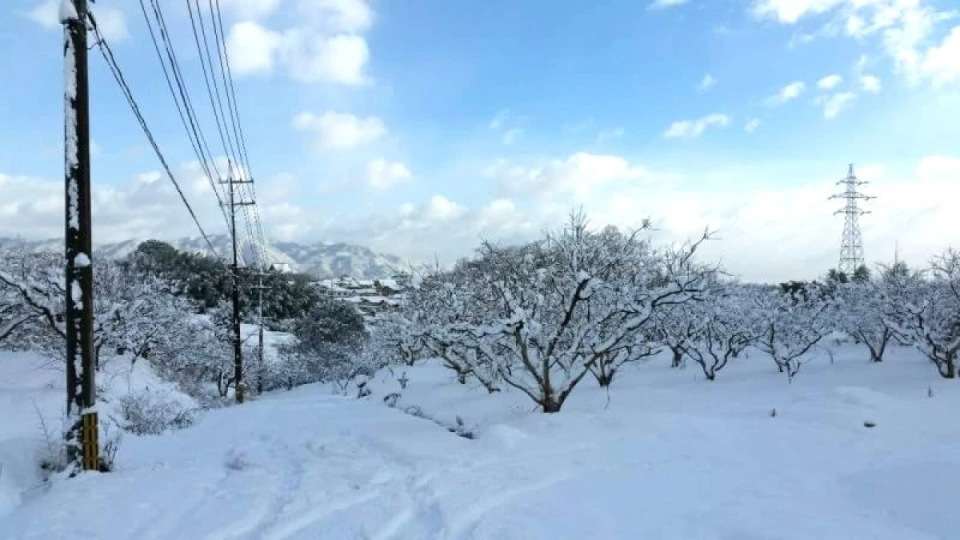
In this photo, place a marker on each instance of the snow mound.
(32, 390)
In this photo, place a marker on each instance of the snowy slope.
(665, 455)
(32, 393)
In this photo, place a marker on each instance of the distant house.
(369, 296)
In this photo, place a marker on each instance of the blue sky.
(421, 127)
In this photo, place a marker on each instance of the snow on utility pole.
(81, 436)
(232, 180)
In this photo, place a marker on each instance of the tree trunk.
(948, 367)
(550, 405)
(603, 376)
(677, 357)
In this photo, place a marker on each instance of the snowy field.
(665, 455)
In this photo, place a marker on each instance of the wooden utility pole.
(239, 385)
(81, 437)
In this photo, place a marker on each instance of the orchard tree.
(718, 330)
(675, 329)
(864, 314)
(32, 286)
(790, 322)
(926, 310)
(546, 314)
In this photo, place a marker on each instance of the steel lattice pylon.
(851, 245)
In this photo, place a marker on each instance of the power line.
(208, 77)
(108, 56)
(230, 90)
(187, 113)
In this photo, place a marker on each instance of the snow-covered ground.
(664, 455)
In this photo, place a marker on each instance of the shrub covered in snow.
(150, 412)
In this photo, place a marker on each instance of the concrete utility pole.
(81, 437)
(239, 385)
(260, 366)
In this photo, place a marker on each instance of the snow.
(82, 260)
(67, 11)
(32, 390)
(665, 454)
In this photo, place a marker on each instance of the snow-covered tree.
(790, 322)
(864, 314)
(926, 310)
(674, 329)
(394, 338)
(542, 316)
(132, 311)
(32, 286)
(718, 330)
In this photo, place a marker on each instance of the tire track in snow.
(423, 513)
(289, 485)
(462, 526)
(304, 521)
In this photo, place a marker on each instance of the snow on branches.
(541, 316)
(865, 315)
(716, 330)
(925, 310)
(790, 323)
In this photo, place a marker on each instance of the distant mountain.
(322, 260)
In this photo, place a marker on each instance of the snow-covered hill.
(323, 260)
(665, 455)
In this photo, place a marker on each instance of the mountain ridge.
(319, 259)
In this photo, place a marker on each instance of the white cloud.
(834, 104)
(350, 16)
(942, 62)
(906, 31)
(580, 174)
(706, 82)
(791, 11)
(871, 84)
(250, 9)
(772, 233)
(340, 131)
(312, 57)
(111, 21)
(661, 4)
(510, 135)
(788, 93)
(607, 135)
(695, 128)
(383, 175)
(327, 46)
(252, 48)
(939, 166)
(752, 125)
(499, 119)
(829, 82)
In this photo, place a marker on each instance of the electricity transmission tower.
(851, 244)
